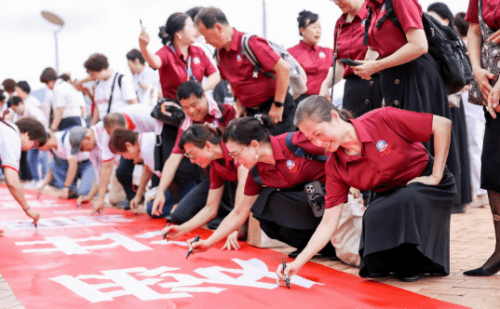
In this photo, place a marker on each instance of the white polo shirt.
(147, 144)
(32, 101)
(31, 111)
(149, 77)
(138, 117)
(10, 146)
(65, 95)
(101, 152)
(120, 94)
(63, 149)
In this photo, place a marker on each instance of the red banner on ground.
(118, 260)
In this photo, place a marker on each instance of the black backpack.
(445, 46)
(296, 150)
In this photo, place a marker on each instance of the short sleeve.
(215, 180)
(336, 190)
(10, 148)
(163, 56)
(106, 154)
(472, 12)
(251, 187)
(265, 54)
(176, 148)
(209, 67)
(60, 98)
(300, 140)
(128, 91)
(67, 148)
(409, 14)
(412, 126)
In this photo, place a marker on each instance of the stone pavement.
(472, 241)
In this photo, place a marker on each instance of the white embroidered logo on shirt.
(196, 60)
(322, 54)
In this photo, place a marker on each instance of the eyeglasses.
(187, 155)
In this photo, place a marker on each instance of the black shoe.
(168, 218)
(483, 271)
(378, 275)
(72, 194)
(409, 277)
(295, 253)
(458, 209)
(334, 258)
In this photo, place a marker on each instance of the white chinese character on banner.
(251, 272)
(71, 246)
(58, 222)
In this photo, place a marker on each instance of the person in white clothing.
(66, 101)
(23, 90)
(139, 148)
(27, 133)
(112, 90)
(66, 168)
(20, 110)
(146, 81)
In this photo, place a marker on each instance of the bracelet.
(278, 104)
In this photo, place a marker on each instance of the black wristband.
(278, 104)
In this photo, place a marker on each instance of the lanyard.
(188, 69)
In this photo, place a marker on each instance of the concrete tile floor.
(472, 241)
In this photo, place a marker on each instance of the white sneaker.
(32, 185)
(482, 200)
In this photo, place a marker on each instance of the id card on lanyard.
(188, 69)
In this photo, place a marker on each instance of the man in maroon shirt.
(255, 93)
(198, 109)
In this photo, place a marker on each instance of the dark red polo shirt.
(389, 38)
(289, 170)
(491, 13)
(222, 170)
(228, 113)
(392, 154)
(173, 68)
(238, 70)
(350, 38)
(316, 61)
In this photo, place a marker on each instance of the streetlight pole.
(264, 23)
(58, 21)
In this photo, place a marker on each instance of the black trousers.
(124, 175)
(286, 125)
(70, 122)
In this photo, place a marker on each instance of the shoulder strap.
(256, 176)
(112, 89)
(120, 81)
(389, 9)
(248, 52)
(5, 122)
(299, 152)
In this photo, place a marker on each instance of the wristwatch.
(278, 104)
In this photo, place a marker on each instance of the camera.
(316, 198)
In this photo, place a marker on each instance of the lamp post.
(56, 20)
(264, 19)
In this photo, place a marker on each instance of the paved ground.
(472, 241)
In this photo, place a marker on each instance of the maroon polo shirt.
(392, 154)
(350, 38)
(491, 13)
(389, 38)
(238, 70)
(289, 170)
(173, 68)
(222, 170)
(228, 113)
(316, 61)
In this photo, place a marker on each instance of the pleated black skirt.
(361, 96)
(418, 86)
(490, 158)
(408, 230)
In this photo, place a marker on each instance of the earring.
(256, 157)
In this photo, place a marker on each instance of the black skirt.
(417, 86)
(490, 158)
(288, 208)
(407, 230)
(361, 96)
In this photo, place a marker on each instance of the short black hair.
(34, 128)
(461, 25)
(48, 74)
(443, 11)
(9, 85)
(192, 12)
(14, 101)
(186, 89)
(96, 63)
(211, 16)
(65, 77)
(24, 86)
(306, 18)
(135, 54)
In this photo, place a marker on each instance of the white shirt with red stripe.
(138, 117)
(10, 146)
(147, 143)
(101, 152)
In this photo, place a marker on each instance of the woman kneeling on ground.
(406, 228)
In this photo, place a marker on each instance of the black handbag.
(171, 115)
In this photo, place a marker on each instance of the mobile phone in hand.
(349, 62)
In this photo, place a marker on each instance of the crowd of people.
(217, 133)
